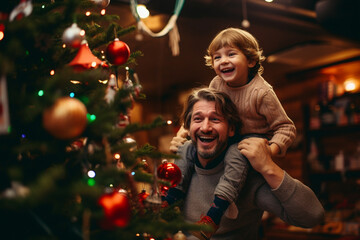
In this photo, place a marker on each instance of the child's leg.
(231, 183)
(227, 190)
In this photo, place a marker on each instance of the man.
(212, 120)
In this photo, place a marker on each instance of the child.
(236, 57)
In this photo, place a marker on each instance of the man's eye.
(215, 119)
(197, 119)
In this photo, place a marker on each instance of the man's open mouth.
(206, 139)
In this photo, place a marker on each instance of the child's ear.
(251, 63)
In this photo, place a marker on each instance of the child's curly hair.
(241, 39)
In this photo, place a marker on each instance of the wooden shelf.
(297, 235)
(326, 131)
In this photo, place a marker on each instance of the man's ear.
(231, 131)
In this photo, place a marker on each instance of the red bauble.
(117, 52)
(117, 210)
(169, 172)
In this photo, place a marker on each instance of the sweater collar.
(215, 162)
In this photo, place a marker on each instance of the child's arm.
(282, 127)
(179, 139)
(275, 150)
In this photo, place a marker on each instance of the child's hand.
(178, 140)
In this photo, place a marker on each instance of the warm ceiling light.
(268, 0)
(351, 85)
(142, 11)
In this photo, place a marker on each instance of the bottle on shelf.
(354, 159)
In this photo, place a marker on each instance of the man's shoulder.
(187, 150)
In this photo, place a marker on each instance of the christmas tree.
(69, 166)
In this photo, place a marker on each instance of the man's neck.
(210, 163)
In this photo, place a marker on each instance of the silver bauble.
(72, 36)
(101, 3)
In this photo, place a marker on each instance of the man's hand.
(257, 151)
(178, 140)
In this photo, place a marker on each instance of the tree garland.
(171, 27)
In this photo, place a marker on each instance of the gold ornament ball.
(179, 236)
(66, 119)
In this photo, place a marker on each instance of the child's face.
(232, 66)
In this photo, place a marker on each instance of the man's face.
(209, 130)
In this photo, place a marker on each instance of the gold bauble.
(179, 236)
(66, 119)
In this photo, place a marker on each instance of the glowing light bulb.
(103, 12)
(117, 156)
(169, 122)
(88, 13)
(351, 85)
(91, 173)
(52, 72)
(75, 81)
(142, 11)
(91, 182)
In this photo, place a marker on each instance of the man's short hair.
(223, 104)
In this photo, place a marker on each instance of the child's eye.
(216, 57)
(232, 54)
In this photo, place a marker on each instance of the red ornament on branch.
(117, 210)
(84, 59)
(117, 52)
(169, 172)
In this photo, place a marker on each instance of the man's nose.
(206, 126)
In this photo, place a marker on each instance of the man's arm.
(257, 151)
(288, 198)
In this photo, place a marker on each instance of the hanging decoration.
(4, 106)
(245, 22)
(73, 36)
(85, 59)
(123, 121)
(117, 209)
(179, 236)
(24, 8)
(111, 89)
(137, 85)
(117, 52)
(169, 172)
(101, 3)
(66, 118)
(142, 196)
(171, 27)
